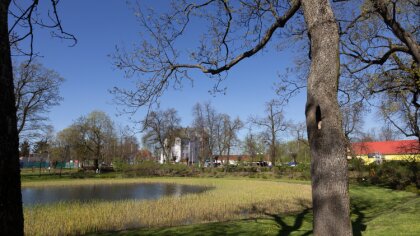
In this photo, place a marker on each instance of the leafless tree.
(220, 135)
(251, 146)
(37, 89)
(352, 118)
(231, 129)
(272, 124)
(160, 128)
(300, 145)
(388, 133)
(298, 130)
(199, 126)
(226, 134)
(236, 32)
(210, 118)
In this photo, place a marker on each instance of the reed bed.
(226, 200)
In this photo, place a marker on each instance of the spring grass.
(375, 211)
(228, 199)
(234, 206)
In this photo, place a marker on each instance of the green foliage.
(356, 164)
(151, 168)
(396, 174)
(24, 149)
(300, 171)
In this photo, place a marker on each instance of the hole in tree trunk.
(318, 117)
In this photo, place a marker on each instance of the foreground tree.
(23, 19)
(11, 215)
(160, 66)
(330, 196)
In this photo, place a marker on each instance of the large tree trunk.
(323, 119)
(11, 215)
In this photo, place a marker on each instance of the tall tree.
(352, 118)
(231, 129)
(71, 143)
(220, 135)
(272, 124)
(330, 196)
(208, 123)
(210, 120)
(11, 214)
(97, 131)
(254, 145)
(300, 145)
(226, 134)
(222, 46)
(161, 128)
(23, 19)
(37, 89)
(199, 125)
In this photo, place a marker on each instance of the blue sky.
(101, 25)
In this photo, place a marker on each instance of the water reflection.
(111, 192)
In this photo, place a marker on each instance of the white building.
(184, 150)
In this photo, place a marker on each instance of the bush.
(300, 171)
(398, 175)
(151, 168)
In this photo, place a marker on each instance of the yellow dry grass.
(227, 200)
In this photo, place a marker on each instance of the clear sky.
(101, 25)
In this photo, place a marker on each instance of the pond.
(108, 192)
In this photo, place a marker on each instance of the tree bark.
(331, 204)
(11, 214)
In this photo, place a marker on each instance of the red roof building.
(400, 147)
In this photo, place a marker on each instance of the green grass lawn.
(375, 211)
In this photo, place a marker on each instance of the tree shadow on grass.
(358, 224)
(286, 229)
(295, 223)
(299, 223)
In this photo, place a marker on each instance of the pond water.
(109, 192)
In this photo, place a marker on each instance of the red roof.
(387, 147)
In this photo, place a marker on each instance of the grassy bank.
(240, 206)
(229, 199)
(375, 211)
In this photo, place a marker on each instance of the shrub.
(395, 174)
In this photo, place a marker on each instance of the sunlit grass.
(375, 211)
(227, 200)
